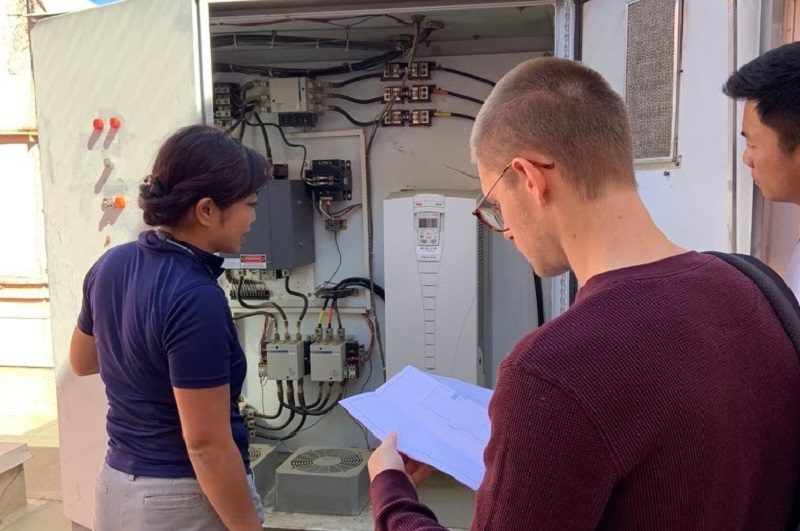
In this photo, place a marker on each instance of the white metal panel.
(16, 83)
(690, 202)
(137, 60)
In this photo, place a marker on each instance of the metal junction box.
(284, 229)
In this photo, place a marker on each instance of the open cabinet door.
(111, 84)
(669, 60)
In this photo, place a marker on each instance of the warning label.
(253, 261)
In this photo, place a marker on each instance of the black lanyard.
(169, 239)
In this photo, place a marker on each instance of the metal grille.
(650, 81)
(483, 273)
(327, 460)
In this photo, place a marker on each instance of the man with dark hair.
(667, 397)
(770, 86)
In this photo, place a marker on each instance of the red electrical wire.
(371, 325)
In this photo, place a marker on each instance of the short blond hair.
(567, 111)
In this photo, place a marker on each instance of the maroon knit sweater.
(667, 397)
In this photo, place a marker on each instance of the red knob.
(98, 124)
(115, 122)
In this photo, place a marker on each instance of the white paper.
(439, 421)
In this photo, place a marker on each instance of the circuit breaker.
(283, 235)
(296, 100)
(328, 361)
(286, 360)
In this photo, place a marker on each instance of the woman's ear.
(205, 212)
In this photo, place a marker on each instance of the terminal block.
(395, 118)
(420, 70)
(330, 180)
(392, 93)
(412, 94)
(420, 93)
(420, 117)
(227, 99)
(250, 290)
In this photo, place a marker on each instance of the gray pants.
(124, 502)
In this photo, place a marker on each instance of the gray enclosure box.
(323, 481)
(284, 227)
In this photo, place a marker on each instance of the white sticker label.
(253, 261)
(232, 263)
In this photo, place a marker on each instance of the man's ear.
(536, 180)
(204, 211)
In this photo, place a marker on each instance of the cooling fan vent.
(326, 461)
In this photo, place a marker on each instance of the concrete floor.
(453, 503)
(42, 477)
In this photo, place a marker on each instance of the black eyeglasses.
(488, 212)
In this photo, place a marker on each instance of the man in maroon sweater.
(667, 397)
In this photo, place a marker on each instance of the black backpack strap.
(779, 295)
(786, 307)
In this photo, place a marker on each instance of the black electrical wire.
(459, 115)
(364, 283)
(224, 40)
(327, 396)
(282, 404)
(290, 291)
(342, 387)
(360, 19)
(231, 128)
(462, 96)
(347, 68)
(345, 82)
(338, 315)
(252, 314)
(285, 141)
(270, 417)
(292, 408)
(264, 134)
(327, 409)
(317, 402)
(287, 436)
(353, 120)
(537, 287)
(354, 100)
(267, 304)
(464, 74)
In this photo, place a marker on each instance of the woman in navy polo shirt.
(156, 326)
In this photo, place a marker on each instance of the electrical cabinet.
(126, 94)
